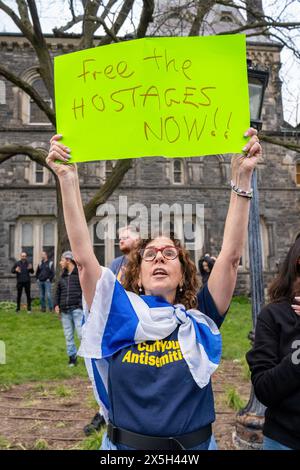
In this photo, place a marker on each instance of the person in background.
(68, 304)
(128, 239)
(274, 360)
(45, 275)
(205, 265)
(23, 269)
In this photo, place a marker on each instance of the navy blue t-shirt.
(153, 391)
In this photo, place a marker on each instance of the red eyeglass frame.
(161, 250)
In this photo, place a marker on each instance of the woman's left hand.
(252, 153)
(296, 307)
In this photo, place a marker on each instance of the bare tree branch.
(39, 156)
(145, 18)
(40, 45)
(108, 188)
(88, 25)
(71, 6)
(62, 29)
(263, 24)
(202, 10)
(120, 20)
(11, 150)
(99, 21)
(24, 15)
(288, 44)
(19, 82)
(280, 142)
(23, 26)
(108, 8)
(77, 19)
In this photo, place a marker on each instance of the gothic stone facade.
(27, 192)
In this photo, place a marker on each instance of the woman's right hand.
(59, 151)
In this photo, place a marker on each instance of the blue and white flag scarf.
(118, 319)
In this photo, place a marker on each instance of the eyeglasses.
(168, 252)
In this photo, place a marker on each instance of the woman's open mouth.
(159, 273)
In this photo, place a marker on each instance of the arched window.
(178, 175)
(226, 18)
(30, 112)
(99, 245)
(36, 174)
(34, 235)
(189, 229)
(36, 115)
(49, 239)
(106, 247)
(39, 174)
(27, 239)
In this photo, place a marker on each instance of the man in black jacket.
(45, 275)
(22, 269)
(68, 303)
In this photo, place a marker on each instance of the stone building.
(27, 191)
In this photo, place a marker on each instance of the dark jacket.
(274, 362)
(45, 271)
(68, 292)
(23, 276)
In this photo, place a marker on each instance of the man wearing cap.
(68, 303)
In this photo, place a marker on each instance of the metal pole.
(249, 423)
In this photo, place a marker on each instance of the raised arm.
(222, 280)
(77, 229)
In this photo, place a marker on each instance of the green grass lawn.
(35, 348)
(235, 329)
(35, 344)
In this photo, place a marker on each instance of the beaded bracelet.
(241, 192)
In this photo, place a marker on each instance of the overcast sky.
(56, 13)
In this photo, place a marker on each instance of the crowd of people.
(44, 275)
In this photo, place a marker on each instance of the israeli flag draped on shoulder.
(119, 318)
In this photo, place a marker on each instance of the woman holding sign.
(148, 349)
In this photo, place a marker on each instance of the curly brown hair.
(188, 296)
